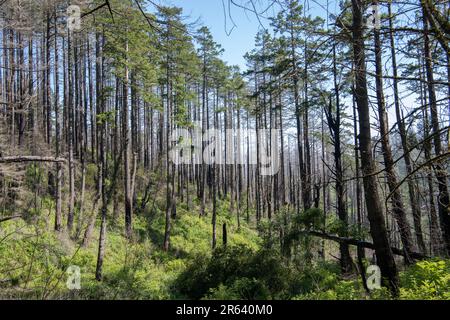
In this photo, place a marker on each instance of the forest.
(136, 163)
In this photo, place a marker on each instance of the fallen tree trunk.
(9, 218)
(15, 159)
(363, 244)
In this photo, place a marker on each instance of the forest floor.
(34, 259)
(34, 263)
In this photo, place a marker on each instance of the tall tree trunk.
(70, 215)
(297, 113)
(127, 151)
(334, 124)
(169, 172)
(378, 230)
(440, 172)
(397, 202)
(306, 185)
(58, 215)
(435, 235)
(102, 165)
(413, 198)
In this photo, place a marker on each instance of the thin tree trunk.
(70, 215)
(126, 150)
(58, 214)
(440, 172)
(397, 202)
(406, 154)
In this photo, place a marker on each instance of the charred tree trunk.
(378, 230)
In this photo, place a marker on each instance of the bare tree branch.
(15, 159)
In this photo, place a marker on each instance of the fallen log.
(3, 219)
(363, 244)
(17, 159)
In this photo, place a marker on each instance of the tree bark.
(440, 172)
(127, 151)
(397, 202)
(378, 230)
(403, 136)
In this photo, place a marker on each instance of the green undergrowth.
(34, 261)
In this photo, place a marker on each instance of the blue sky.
(211, 14)
(241, 39)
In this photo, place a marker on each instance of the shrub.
(236, 272)
(242, 288)
(428, 280)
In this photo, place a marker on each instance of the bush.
(242, 288)
(236, 272)
(344, 290)
(428, 280)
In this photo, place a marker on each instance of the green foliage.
(311, 219)
(34, 261)
(34, 176)
(319, 278)
(343, 290)
(242, 288)
(105, 117)
(236, 272)
(428, 280)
